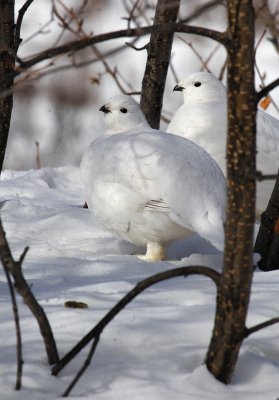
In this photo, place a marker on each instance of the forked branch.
(22, 287)
(140, 287)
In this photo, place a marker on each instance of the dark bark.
(267, 243)
(235, 284)
(22, 287)
(157, 64)
(7, 62)
(17, 329)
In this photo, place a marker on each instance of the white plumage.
(150, 187)
(203, 119)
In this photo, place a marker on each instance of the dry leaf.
(264, 103)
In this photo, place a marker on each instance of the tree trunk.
(234, 293)
(159, 51)
(7, 62)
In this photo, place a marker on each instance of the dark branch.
(264, 92)
(258, 327)
(145, 47)
(202, 9)
(78, 45)
(21, 13)
(265, 177)
(17, 328)
(22, 287)
(83, 368)
(140, 287)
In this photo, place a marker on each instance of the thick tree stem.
(159, 51)
(7, 62)
(234, 293)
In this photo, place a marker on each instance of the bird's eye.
(123, 110)
(197, 84)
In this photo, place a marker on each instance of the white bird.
(203, 119)
(151, 187)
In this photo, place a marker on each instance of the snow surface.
(154, 349)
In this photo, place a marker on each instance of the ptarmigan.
(203, 119)
(151, 187)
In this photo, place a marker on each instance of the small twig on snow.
(83, 368)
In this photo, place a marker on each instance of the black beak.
(178, 88)
(104, 109)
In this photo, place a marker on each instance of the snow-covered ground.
(154, 349)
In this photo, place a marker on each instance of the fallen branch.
(140, 287)
(83, 368)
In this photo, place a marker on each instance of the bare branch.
(140, 287)
(262, 93)
(260, 326)
(78, 45)
(83, 368)
(145, 47)
(265, 177)
(17, 328)
(22, 287)
(197, 54)
(131, 16)
(202, 9)
(21, 13)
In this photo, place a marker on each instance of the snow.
(154, 349)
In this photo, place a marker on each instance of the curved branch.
(86, 42)
(260, 326)
(21, 13)
(140, 287)
(262, 93)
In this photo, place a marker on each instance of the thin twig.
(38, 156)
(131, 16)
(17, 329)
(83, 368)
(145, 47)
(197, 54)
(140, 287)
(54, 70)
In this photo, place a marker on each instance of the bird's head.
(201, 87)
(122, 113)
